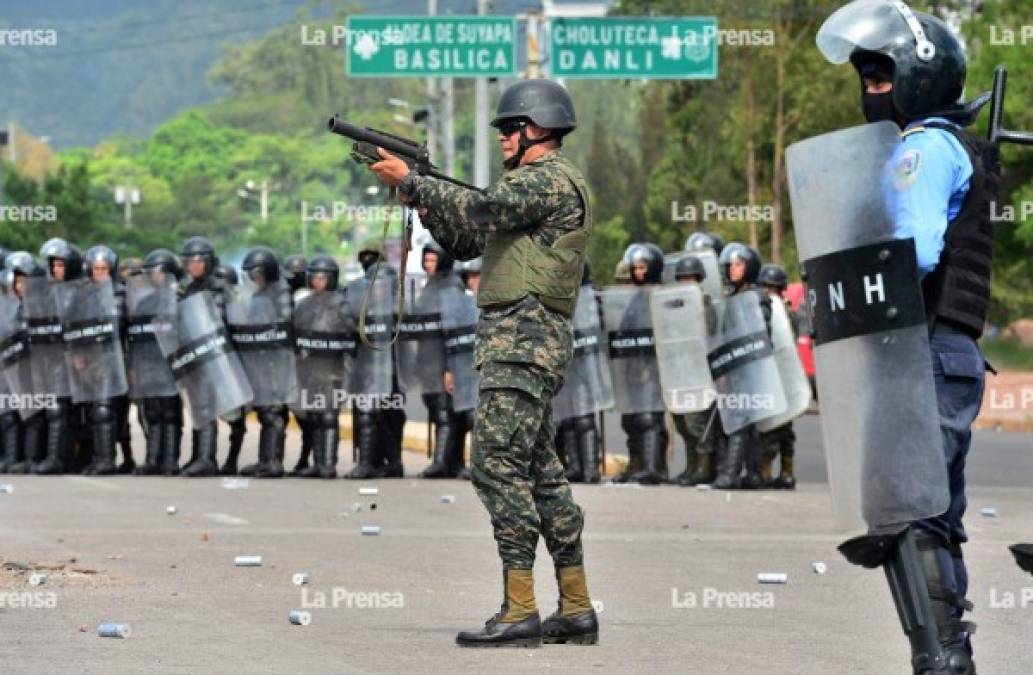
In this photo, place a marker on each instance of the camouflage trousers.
(516, 472)
(692, 427)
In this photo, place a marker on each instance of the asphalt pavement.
(675, 571)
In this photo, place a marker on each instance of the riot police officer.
(779, 442)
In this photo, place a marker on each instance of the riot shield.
(459, 317)
(202, 360)
(794, 380)
(324, 345)
(421, 349)
(630, 345)
(679, 321)
(587, 387)
(879, 415)
(150, 310)
(258, 318)
(47, 350)
(711, 283)
(372, 371)
(92, 337)
(15, 360)
(742, 363)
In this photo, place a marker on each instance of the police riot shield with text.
(150, 311)
(459, 318)
(880, 421)
(201, 358)
(324, 345)
(258, 318)
(15, 360)
(91, 330)
(587, 387)
(44, 328)
(679, 316)
(634, 370)
(373, 368)
(421, 353)
(742, 363)
(790, 369)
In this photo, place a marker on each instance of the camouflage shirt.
(536, 198)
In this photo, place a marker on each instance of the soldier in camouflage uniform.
(780, 441)
(532, 229)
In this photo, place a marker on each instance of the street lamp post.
(127, 196)
(247, 192)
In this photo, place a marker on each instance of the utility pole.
(534, 59)
(3, 142)
(448, 127)
(247, 192)
(480, 132)
(432, 100)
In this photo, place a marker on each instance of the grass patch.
(1008, 355)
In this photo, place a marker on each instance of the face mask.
(878, 107)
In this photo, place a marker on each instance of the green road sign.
(421, 46)
(634, 47)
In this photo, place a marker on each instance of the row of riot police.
(81, 338)
(703, 335)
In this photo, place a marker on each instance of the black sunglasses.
(510, 127)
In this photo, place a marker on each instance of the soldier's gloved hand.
(390, 170)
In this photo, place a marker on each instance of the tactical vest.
(514, 265)
(957, 291)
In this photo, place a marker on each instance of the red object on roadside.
(804, 343)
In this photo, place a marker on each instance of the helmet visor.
(869, 25)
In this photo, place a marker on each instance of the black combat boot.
(171, 438)
(654, 446)
(238, 428)
(754, 478)
(365, 428)
(566, 443)
(574, 622)
(517, 623)
(588, 447)
(152, 448)
(440, 414)
(104, 422)
(205, 442)
(786, 477)
(390, 425)
(34, 433)
(306, 422)
(56, 442)
(327, 442)
(731, 460)
(705, 472)
(271, 442)
(11, 434)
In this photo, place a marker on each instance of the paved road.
(651, 553)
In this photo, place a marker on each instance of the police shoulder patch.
(906, 170)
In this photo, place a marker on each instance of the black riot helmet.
(294, 267)
(773, 275)
(739, 251)
(544, 102)
(262, 261)
(69, 254)
(130, 267)
(688, 267)
(652, 256)
(445, 261)
(228, 274)
(101, 253)
(324, 264)
(22, 262)
(926, 60)
(199, 248)
(164, 260)
(698, 241)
